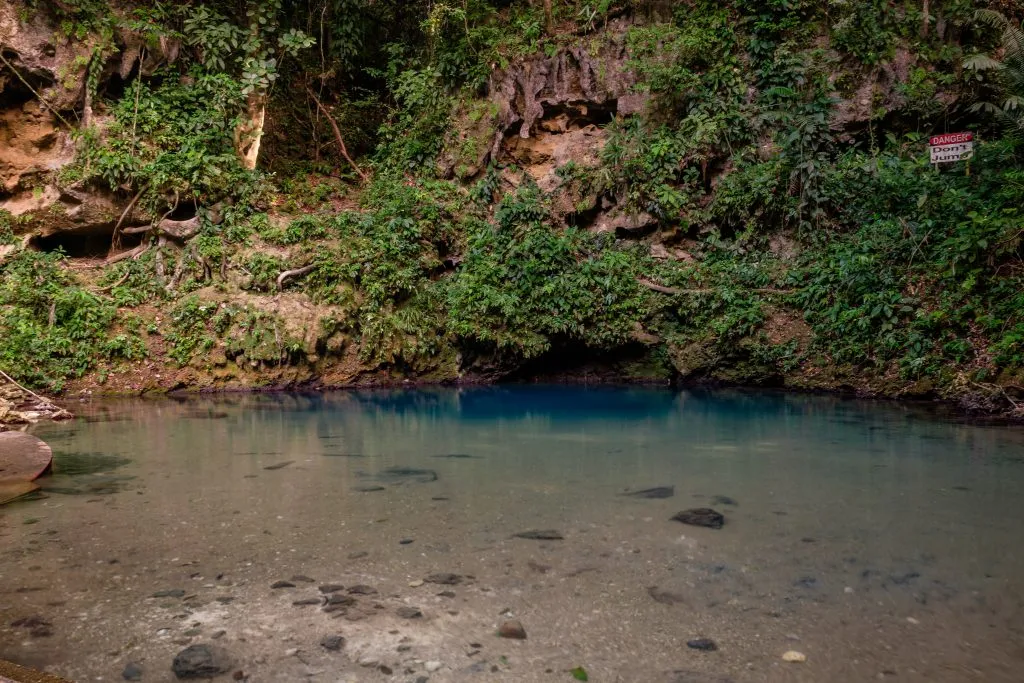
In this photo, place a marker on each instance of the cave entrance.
(83, 245)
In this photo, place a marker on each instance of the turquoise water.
(878, 539)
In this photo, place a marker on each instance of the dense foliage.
(803, 240)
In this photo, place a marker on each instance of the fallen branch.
(116, 284)
(58, 411)
(297, 272)
(181, 231)
(658, 288)
(130, 254)
(337, 134)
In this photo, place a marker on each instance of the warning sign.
(951, 147)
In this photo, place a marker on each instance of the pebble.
(173, 593)
(405, 541)
(416, 584)
(362, 589)
(706, 517)
(358, 555)
(308, 601)
(540, 535)
(794, 657)
(848, 590)
(332, 643)
(132, 672)
(201, 661)
(432, 666)
(705, 644)
(512, 629)
(912, 620)
(331, 588)
(445, 579)
(409, 612)
(282, 584)
(302, 578)
(291, 652)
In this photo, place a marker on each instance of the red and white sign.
(951, 147)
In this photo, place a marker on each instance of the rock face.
(201, 661)
(547, 110)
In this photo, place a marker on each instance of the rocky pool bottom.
(412, 536)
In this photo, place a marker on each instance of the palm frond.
(981, 62)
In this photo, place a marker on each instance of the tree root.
(297, 272)
(337, 134)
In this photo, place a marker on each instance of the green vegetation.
(796, 231)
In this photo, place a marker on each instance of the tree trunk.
(549, 18)
(925, 11)
(250, 132)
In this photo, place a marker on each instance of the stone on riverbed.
(704, 644)
(444, 579)
(512, 629)
(132, 672)
(540, 535)
(201, 661)
(331, 588)
(706, 517)
(332, 643)
(794, 657)
(654, 493)
(282, 584)
(409, 612)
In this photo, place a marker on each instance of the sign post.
(950, 147)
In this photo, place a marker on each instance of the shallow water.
(880, 541)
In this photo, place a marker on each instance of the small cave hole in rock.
(94, 244)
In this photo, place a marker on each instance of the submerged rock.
(665, 597)
(282, 584)
(331, 588)
(409, 612)
(132, 672)
(201, 661)
(654, 493)
(704, 644)
(445, 579)
(172, 593)
(705, 517)
(279, 466)
(337, 599)
(512, 629)
(399, 475)
(540, 535)
(332, 643)
(724, 500)
(362, 589)
(794, 657)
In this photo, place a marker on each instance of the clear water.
(878, 540)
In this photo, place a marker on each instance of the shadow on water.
(78, 463)
(80, 473)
